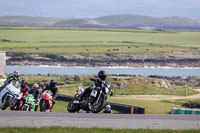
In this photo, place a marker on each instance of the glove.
(111, 93)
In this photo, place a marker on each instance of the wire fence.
(175, 92)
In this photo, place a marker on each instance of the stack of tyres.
(179, 111)
(188, 111)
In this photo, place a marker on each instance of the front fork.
(97, 101)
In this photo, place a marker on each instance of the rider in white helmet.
(108, 109)
(14, 77)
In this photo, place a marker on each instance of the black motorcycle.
(93, 102)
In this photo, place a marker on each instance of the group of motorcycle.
(10, 96)
(92, 99)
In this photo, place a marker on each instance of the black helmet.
(53, 82)
(16, 74)
(24, 82)
(102, 75)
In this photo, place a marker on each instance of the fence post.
(132, 110)
(2, 64)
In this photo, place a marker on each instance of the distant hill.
(29, 21)
(114, 21)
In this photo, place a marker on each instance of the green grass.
(148, 89)
(137, 89)
(66, 41)
(60, 106)
(41, 79)
(155, 106)
(87, 130)
(151, 107)
(37, 35)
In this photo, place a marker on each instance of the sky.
(98, 8)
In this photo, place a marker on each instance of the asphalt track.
(119, 121)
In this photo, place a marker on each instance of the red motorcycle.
(46, 101)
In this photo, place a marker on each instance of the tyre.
(72, 108)
(99, 107)
(25, 107)
(43, 105)
(6, 102)
(14, 105)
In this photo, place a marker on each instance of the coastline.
(112, 67)
(116, 60)
(131, 71)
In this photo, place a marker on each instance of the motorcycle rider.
(108, 109)
(14, 77)
(36, 93)
(52, 87)
(24, 92)
(98, 81)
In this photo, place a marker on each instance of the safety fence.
(185, 111)
(155, 91)
(121, 108)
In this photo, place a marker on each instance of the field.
(137, 86)
(67, 41)
(155, 106)
(87, 130)
(60, 106)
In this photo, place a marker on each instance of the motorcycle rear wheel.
(72, 108)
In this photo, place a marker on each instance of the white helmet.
(16, 74)
(108, 107)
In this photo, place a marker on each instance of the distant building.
(2, 64)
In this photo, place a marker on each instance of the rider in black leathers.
(52, 87)
(99, 82)
(14, 77)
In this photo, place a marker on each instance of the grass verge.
(155, 106)
(86, 130)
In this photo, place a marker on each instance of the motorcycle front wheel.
(43, 107)
(98, 107)
(25, 107)
(7, 102)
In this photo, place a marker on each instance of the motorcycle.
(29, 104)
(8, 95)
(93, 102)
(46, 101)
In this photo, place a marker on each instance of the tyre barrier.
(121, 108)
(191, 105)
(181, 111)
